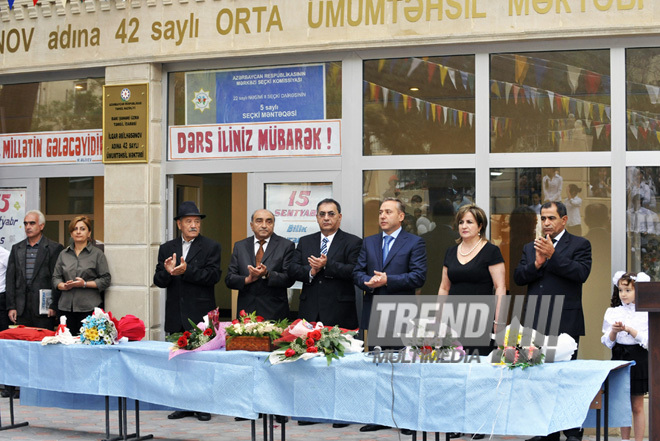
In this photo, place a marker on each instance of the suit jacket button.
(320, 282)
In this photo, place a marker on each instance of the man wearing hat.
(189, 267)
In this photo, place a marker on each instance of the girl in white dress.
(626, 332)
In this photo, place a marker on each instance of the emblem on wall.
(125, 94)
(202, 100)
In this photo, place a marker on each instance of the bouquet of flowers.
(524, 347)
(307, 340)
(253, 325)
(204, 336)
(98, 329)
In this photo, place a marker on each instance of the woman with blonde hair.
(81, 274)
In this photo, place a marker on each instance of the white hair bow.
(640, 277)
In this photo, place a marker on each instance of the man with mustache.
(259, 269)
(556, 264)
(189, 267)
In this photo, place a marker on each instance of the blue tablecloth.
(456, 397)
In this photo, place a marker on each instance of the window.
(550, 101)
(419, 105)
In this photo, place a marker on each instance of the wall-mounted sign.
(67, 147)
(125, 123)
(12, 213)
(256, 140)
(287, 93)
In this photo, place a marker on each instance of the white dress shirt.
(627, 315)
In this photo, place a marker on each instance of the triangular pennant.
(608, 130)
(443, 74)
(608, 110)
(386, 93)
(454, 116)
(434, 108)
(521, 68)
(654, 93)
(495, 88)
(460, 118)
(587, 122)
(464, 77)
(11, 4)
(507, 90)
(372, 91)
(427, 107)
(444, 115)
(405, 102)
(572, 106)
(396, 97)
(528, 93)
(452, 76)
(540, 70)
(471, 118)
(381, 64)
(558, 101)
(565, 103)
(657, 135)
(601, 111)
(573, 73)
(413, 65)
(592, 82)
(551, 97)
(471, 81)
(643, 132)
(431, 70)
(418, 103)
(599, 129)
(516, 89)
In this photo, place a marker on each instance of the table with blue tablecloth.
(443, 397)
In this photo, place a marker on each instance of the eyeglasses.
(323, 214)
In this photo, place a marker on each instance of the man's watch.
(265, 276)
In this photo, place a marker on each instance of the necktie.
(386, 247)
(260, 252)
(324, 246)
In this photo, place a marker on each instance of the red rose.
(312, 349)
(208, 332)
(316, 335)
(246, 319)
(182, 342)
(235, 321)
(186, 334)
(289, 352)
(242, 313)
(310, 342)
(260, 318)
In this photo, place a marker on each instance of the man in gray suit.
(29, 270)
(259, 269)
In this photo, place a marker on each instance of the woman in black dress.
(473, 267)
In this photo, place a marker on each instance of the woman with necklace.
(81, 274)
(473, 267)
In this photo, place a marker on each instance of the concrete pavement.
(53, 424)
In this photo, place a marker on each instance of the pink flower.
(312, 349)
(289, 352)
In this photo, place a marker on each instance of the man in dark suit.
(259, 269)
(390, 263)
(190, 281)
(553, 265)
(324, 262)
(30, 269)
